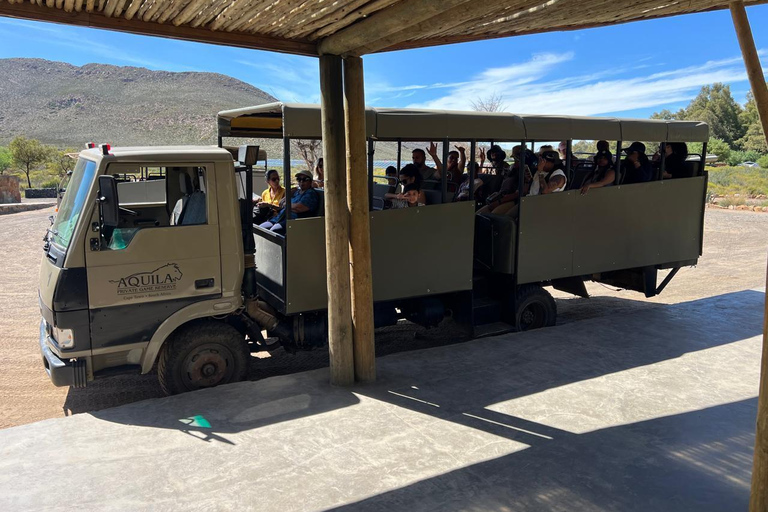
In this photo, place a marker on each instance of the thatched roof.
(348, 26)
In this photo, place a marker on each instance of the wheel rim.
(208, 365)
(533, 316)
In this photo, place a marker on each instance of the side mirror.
(109, 206)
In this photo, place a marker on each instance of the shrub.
(733, 201)
(763, 161)
(50, 184)
(737, 157)
(745, 181)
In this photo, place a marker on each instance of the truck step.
(492, 329)
(485, 311)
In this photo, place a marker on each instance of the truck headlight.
(64, 337)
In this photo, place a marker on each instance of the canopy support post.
(759, 495)
(359, 224)
(336, 222)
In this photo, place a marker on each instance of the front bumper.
(61, 373)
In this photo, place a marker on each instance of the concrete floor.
(649, 410)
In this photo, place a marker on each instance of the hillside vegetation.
(66, 106)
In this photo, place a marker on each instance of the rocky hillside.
(67, 105)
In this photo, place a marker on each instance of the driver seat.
(190, 208)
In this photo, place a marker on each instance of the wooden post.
(359, 223)
(336, 222)
(752, 62)
(759, 496)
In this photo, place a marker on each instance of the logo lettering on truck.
(162, 279)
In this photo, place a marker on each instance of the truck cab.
(113, 289)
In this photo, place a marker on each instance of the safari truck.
(170, 272)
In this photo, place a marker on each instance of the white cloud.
(537, 87)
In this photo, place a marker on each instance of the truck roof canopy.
(295, 120)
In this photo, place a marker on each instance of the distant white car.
(748, 164)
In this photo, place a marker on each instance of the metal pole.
(444, 174)
(568, 162)
(703, 159)
(472, 172)
(663, 165)
(399, 150)
(287, 176)
(617, 167)
(370, 174)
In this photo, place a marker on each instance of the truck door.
(163, 256)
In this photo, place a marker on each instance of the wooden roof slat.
(131, 11)
(171, 13)
(207, 14)
(256, 11)
(384, 23)
(165, 10)
(295, 21)
(69, 5)
(365, 10)
(190, 11)
(272, 18)
(78, 5)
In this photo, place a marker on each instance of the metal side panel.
(269, 263)
(567, 234)
(637, 225)
(415, 252)
(547, 231)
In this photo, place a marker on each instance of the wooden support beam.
(137, 26)
(336, 222)
(759, 495)
(752, 63)
(384, 23)
(359, 223)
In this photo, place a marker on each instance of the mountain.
(67, 106)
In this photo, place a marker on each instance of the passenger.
(674, 163)
(419, 158)
(304, 202)
(457, 161)
(411, 196)
(269, 203)
(508, 194)
(319, 174)
(603, 175)
(602, 145)
(391, 174)
(409, 175)
(549, 177)
(636, 167)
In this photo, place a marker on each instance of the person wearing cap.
(603, 175)
(549, 177)
(636, 167)
(304, 203)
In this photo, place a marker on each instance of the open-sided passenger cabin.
(444, 253)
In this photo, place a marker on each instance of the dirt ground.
(735, 244)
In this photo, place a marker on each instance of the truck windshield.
(72, 204)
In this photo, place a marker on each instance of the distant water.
(274, 163)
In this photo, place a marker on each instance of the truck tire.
(202, 355)
(534, 308)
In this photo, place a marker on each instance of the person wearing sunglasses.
(269, 203)
(304, 203)
(409, 175)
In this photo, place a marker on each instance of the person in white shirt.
(549, 177)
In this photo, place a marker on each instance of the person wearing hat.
(636, 167)
(304, 203)
(603, 175)
(549, 177)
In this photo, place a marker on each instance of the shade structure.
(307, 27)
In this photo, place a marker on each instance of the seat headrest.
(185, 184)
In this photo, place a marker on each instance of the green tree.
(60, 161)
(6, 160)
(28, 155)
(720, 148)
(715, 106)
(754, 138)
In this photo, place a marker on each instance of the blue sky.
(631, 69)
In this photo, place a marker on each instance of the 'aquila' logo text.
(163, 278)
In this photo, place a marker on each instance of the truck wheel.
(535, 308)
(202, 355)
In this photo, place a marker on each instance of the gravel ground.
(734, 260)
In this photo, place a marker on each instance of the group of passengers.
(496, 183)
